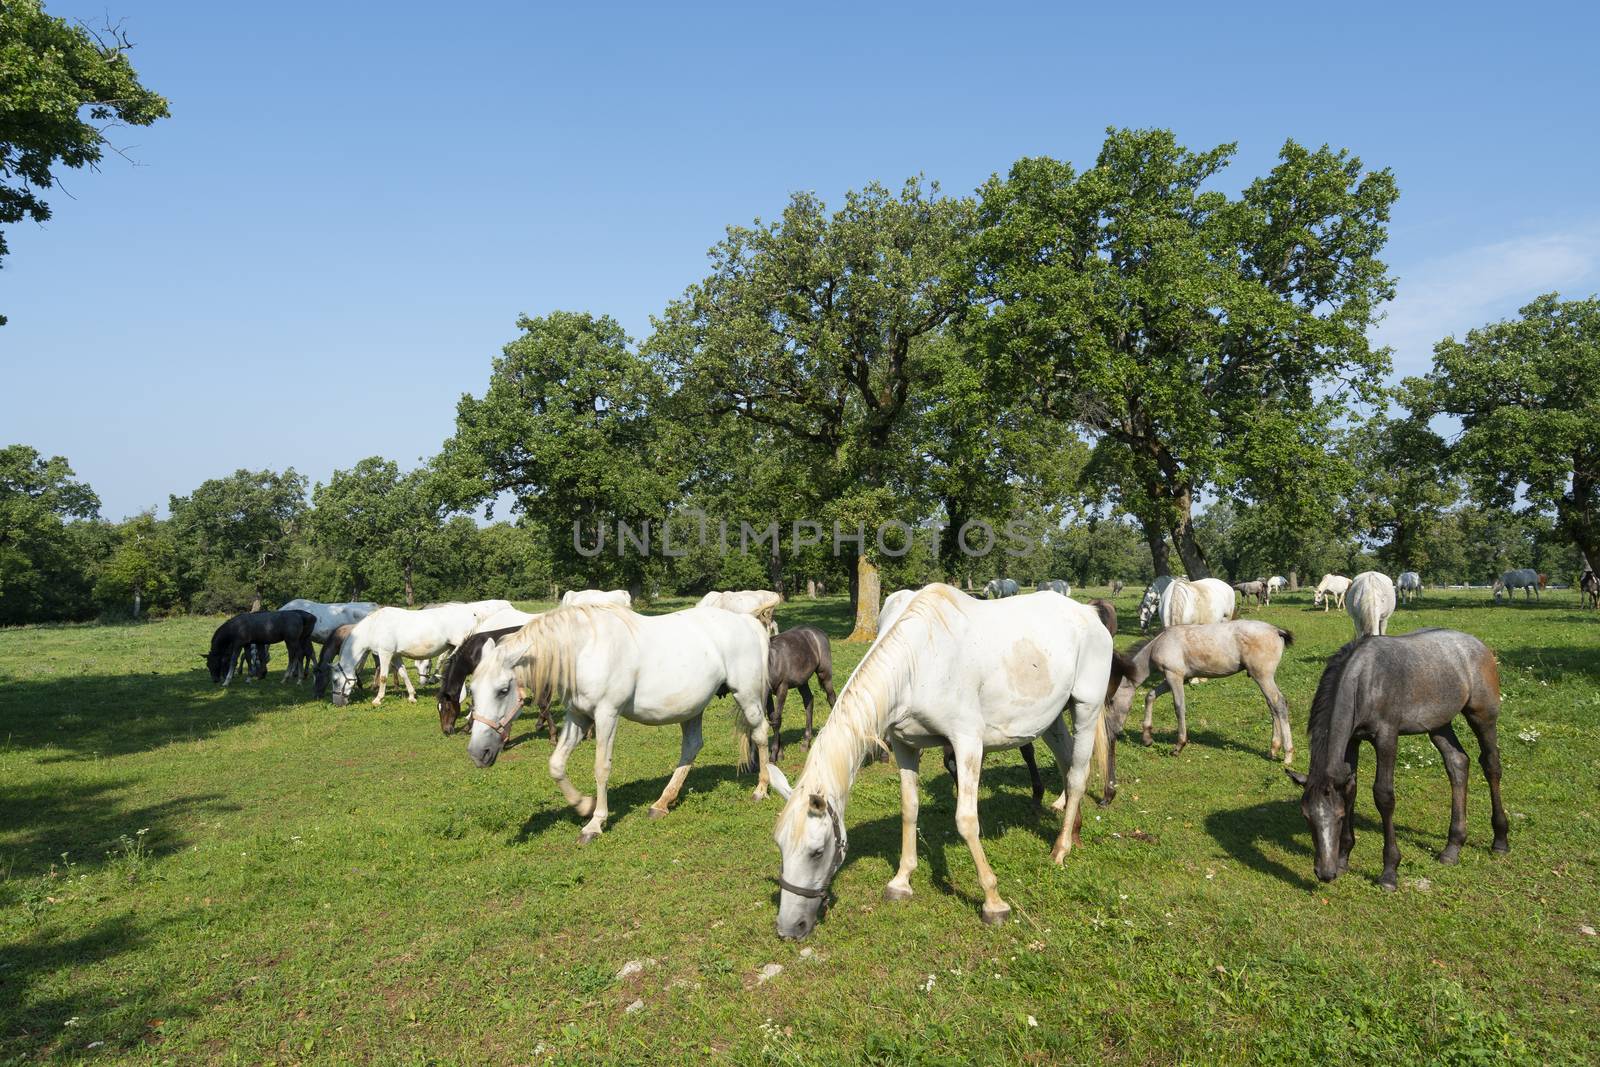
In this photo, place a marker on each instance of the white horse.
(390, 633)
(1331, 591)
(1409, 586)
(1150, 603)
(503, 618)
(1525, 578)
(609, 664)
(1277, 583)
(596, 598)
(762, 603)
(1370, 603)
(984, 675)
(331, 616)
(1186, 603)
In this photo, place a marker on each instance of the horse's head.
(1147, 610)
(1118, 706)
(343, 682)
(216, 664)
(1498, 588)
(496, 700)
(1322, 802)
(449, 709)
(811, 839)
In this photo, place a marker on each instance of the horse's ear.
(818, 805)
(1295, 776)
(779, 782)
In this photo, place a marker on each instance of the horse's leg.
(811, 707)
(571, 733)
(1175, 683)
(908, 759)
(605, 738)
(780, 696)
(687, 751)
(1059, 742)
(1033, 774)
(1383, 797)
(1483, 725)
(1084, 716)
(405, 676)
(1279, 707)
(969, 765)
(1455, 766)
(383, 675)
(1150, 710)
(753, 724)
(1347, 829)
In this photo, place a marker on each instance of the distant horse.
(331, 616)
(1184, 603)
(1116, 586)
(608, 664)
(1330, 591)
(390, 633)
(505, 617)
(1376, 689)
(1212, 650)
(1150, 604)
(1257, 589)
(233, 637)
(1370, 603)
(1276, 583)
(999, 588)
(1526, 579)
(1589, 586)
(1055, 585)
(596, 598)
(1409, 586)
(792, 658)
(462, 663)
(982, 675)
(330, 655)
(762, 603)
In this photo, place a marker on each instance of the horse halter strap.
(838, 861)
(500, 726)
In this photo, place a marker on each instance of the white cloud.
(1455, 293)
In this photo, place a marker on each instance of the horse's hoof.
(1105, 801)
(1179, 747)
(585, 806)
(997, 917)
(759, 793)
(1450, 856)
(894, 892)
(1502, 847)
(1388, 883)
(1147, 739)
(586, 836)
(657, 813)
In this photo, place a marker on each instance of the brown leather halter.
(500, 726)
(838, 861)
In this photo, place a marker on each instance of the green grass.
(191, 874)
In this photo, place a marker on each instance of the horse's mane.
(1319, 727)
(857, 722)
(543, 654)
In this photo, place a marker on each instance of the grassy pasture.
(193, 875)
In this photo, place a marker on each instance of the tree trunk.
(1194, 560)
(865, 591)
(1294, 579)
(811, 589)
(136, 599)
(775, 569)
(255, 605)
(411, 598)
(1160, 555)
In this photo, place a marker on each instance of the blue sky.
(334, 233)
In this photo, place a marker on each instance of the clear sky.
(334, 233)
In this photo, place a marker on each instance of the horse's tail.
(1102, 747)
(1287, 635)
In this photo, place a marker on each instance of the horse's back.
(1423, 677)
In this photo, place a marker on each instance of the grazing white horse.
(1277, 583)
(1409, 586)
(502, 619)
(1331, 591)
(982, 675)
(1186, 603)
(331, 616)
(1525, 578)
(1150, 605)
(1370, 603)
(596, 598)
(609, 664)
(762, 603)
(390, 633)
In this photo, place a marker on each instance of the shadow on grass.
(1555, 663)
(39, 1021)
(629, 799)
(90, 715)
(1242, 831)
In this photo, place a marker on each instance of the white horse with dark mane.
(1150, 603)
(1370, 603)
(982, 675)
(1186, 603)
(609, 664)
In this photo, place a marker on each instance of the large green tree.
(1402, 488)
(569, 427)
(41, 563)
(1174, 322)
(353, 520)
(142, 572)
(1524, 390)
(241, 529)
(62, 87)
(811, 326)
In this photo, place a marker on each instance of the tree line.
(1148, 372)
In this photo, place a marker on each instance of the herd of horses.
(967, 674)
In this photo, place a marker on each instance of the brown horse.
(792, 658)
(1376, 689)
(1209, 650)
(460, 666)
